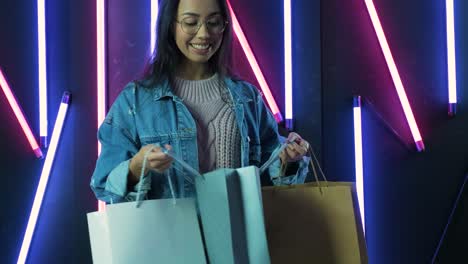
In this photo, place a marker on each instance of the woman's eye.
(190, 23)
(214, 23)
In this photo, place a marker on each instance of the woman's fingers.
(305, 145)
(157, 164)
(293, 136)
(158, 160)
(162, 167)
(291, 154)
(294, 151)
(168, 147)
(158, 156)
(301, 148)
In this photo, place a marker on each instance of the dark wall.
(307, 72)
(128, 32)
(454, 240)
(408, 194)
(61, 231)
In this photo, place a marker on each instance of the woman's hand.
(295, 150)
(157, 160)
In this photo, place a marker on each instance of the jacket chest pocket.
(157, 139)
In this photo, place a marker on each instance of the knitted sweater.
(218, 136)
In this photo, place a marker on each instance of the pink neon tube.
(19, 115)
(255, 67)
(101, 69)
(101, 62)
(395, 75)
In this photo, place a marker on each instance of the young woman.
(189, 103)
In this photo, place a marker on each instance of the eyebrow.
(198, 15)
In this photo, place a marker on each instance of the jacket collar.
(238, 93)
(162, 91)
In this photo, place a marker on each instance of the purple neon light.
(154, 17)
(451, 61)
(41, 188)
(288, 92)
(41, 35)
(358, 157)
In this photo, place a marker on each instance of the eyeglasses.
(214, 25)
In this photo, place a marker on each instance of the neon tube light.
(358, 157)
(101, 68)
(19, 115)
(154, 17)
(395, 75)
(452, 72)
(288, 64)
(101, 63)
(41, 188)
(255, 67)
(41, 34)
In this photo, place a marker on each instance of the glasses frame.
(199, 25)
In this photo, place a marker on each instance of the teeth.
(200, 47)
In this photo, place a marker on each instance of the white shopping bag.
(158, 231)
(152, 231)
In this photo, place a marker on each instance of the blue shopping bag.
(230, 205)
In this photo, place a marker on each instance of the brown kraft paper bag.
(314, 223)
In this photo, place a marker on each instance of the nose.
(203, 32)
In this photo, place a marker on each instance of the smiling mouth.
(201, 47)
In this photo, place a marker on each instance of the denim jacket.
(143, 115)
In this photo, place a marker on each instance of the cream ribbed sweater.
(218, 136)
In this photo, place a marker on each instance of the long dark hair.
(167, 56)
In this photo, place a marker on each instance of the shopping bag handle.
(275, 155)
(184, 164)
(142, 174)
(314, 171)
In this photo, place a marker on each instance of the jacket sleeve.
(270, 141)
(119, 143)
